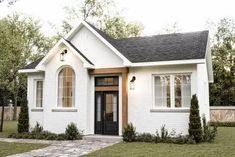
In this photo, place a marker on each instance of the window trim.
(172, 93)
(35, 93)
(57, 107)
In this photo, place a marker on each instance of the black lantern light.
(132, 83)
(62, 55)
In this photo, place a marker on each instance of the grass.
(9, 127)
(223, 146)
(9, 148)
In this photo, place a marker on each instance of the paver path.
(64, 148)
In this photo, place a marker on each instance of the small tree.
(195, 127)
(23, 122)
(129, 133)
(72, 132)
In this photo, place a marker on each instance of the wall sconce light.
(62, 55)
(132, 83)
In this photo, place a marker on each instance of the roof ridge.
(167, 34)
(146, 36)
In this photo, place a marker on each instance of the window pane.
(115, 108)
(109, 107)
(177, 82)
(39, 93)
(98, 109)
(106, 81)
(186, 91)
(66, 88)
(162, 91)
(182, 90)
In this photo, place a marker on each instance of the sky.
(155, 15)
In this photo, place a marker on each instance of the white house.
(101, 84)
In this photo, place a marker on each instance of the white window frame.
(172, 91)
(35, 93)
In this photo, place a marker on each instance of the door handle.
(104, 115)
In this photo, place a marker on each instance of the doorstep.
(96, 137)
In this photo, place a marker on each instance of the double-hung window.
(172, 91)
(39, 93)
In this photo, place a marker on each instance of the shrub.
(222, 124)
(23, 121)
(208, 133)
(145, 137)
(164, 135)
(72, 132)
(37, 128)
(179, 139)
(195, 127)
(61, 137)
(129, 133)
(46, 135)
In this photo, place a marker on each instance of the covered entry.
(106, 100)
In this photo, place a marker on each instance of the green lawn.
(7, 148)
(224, 146)
(8, 128)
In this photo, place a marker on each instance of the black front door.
(106, 112)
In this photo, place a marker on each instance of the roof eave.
(174, 62)
(28, 71)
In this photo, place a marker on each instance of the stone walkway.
(66, 148)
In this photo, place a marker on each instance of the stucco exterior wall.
(203, 90)
(94, 49)
(140, 100)
(31, 88)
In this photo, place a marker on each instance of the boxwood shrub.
(72, 133)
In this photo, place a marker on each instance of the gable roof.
(33, 64)
(166, 47)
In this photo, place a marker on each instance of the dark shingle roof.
(33, 64)
(166, 47)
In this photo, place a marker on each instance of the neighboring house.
(101, 84)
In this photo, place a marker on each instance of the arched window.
(66, 87)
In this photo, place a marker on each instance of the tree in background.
(23, 122)
(20, 42)
(222, 91)
(104, 15)
(172, 28)
(9, 2)
(118, 28)
(195, 127)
